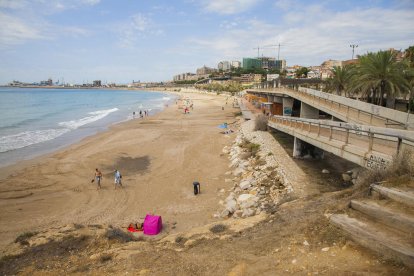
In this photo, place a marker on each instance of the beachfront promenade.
(362, 133)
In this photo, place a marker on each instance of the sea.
(36, 121)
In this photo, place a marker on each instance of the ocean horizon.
(37, 121)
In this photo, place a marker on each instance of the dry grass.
(119, 235)
(218, 228)
(22, 238)
(401, 170)
(260, 123)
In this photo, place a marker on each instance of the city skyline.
(121, 41)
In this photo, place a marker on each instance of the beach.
(159, 158)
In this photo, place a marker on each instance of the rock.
(238, 172)
(325, 171)
(305, 243)
(248, 212)
(325, 249)
(247, 200)
(346, 177)
(245, 184)
(225, 213)
(355, 172)
(222, 191)
(231, 206)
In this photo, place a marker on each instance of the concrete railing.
(347, 109)
(368, 146)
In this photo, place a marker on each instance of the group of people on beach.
(98, 178)
(141, 113)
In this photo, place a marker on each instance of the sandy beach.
(159, 158)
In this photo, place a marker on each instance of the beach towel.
(152, 225)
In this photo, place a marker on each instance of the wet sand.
(159, 158)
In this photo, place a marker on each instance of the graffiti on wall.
(377, 162)
(287, 111)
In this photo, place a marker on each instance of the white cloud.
(228, 6)
(137, 26)
(316, 34)
(13, 4)
(15, 31)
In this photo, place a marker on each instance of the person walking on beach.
(118, 179)
(98, 177)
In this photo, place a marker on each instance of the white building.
(270, 77)
(224, 66)
(235, 64)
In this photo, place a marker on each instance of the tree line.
(378, 78)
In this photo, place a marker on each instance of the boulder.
(325, 171)
(247, 200)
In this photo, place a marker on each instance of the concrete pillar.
(297, 148)
(287, 106)
(309, 112)
(305, 150)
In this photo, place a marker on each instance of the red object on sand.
(132, 229)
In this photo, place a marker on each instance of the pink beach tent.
(152, 225)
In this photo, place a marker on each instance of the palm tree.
(340, 80)
(379, 74)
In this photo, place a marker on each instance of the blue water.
(36, 120)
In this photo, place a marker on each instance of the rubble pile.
(259, 182)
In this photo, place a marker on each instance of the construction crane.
(274, 46)
(258, 49)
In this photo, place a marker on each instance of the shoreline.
(32, 151)
(55, 189)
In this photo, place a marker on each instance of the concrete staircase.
(383, 223)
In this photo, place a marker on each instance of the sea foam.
(27, 138)
(95, 116)
(31, 137)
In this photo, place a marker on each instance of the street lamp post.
(353, 46)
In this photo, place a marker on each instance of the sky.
(151, 40)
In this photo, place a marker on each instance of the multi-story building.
(97, 83)
(313, 74)
(280, 64)
(252, 63)
(236, 64)
(185, 76)
(266, 63)
(205, 70)
(224, 66)
(48, 82)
